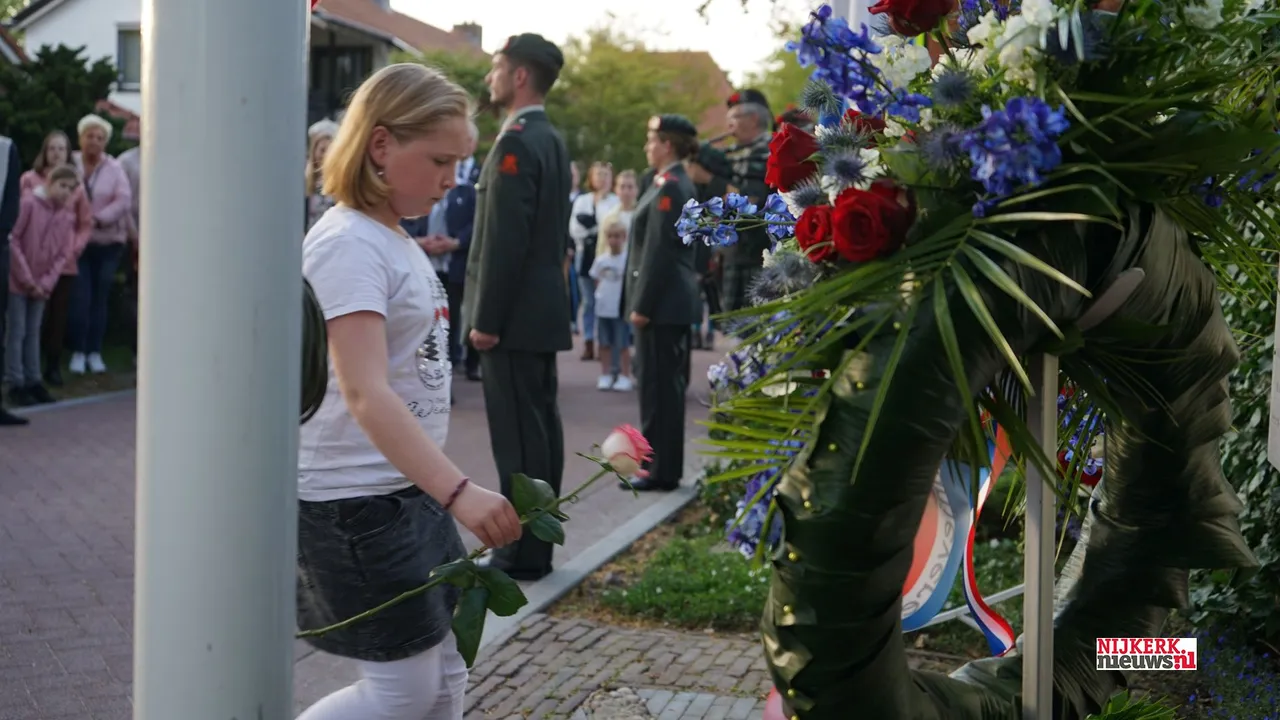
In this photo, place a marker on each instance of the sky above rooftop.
(738, 40)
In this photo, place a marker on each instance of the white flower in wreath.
(1019, 50)
(1206, 14)
(901, 61)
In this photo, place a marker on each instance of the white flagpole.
(1037, 603)
(224, 99)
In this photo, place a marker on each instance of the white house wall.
(91, 23)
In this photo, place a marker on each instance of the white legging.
(428, 686)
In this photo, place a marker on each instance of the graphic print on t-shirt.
(434, 365)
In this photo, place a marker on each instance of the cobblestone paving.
(552, 665)
(67, 535)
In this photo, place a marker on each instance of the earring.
(379, 172)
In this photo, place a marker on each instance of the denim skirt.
(356, 554)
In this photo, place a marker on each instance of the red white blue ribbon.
(997, 630)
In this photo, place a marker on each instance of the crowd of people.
(67, 225)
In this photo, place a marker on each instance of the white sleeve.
(349, 275)
(576, 231)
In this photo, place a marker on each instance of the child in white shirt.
(613, 333)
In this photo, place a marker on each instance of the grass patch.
(695, 583)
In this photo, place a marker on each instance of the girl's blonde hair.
(408, 100)
(612, 222)
(42, 160)
(625, 174)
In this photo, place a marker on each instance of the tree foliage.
(52, 92)
(9, 8)
(611, 85)
(468, 71)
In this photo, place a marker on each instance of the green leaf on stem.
(461, 572)
(505, 595)
(530, 494)
(468, 622)
(547, 527)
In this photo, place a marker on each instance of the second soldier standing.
(515, 299)
(662, 294)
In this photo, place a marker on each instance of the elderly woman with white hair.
(111, 200)
(319, 136)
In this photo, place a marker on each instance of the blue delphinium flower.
(713, 222)
(778, 215)
(839, 58)
(1013, 148)
(1210, 193)
(747, 528)
(971, 11)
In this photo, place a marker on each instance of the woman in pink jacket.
(41, 243)
(107, 186)
(56, 152)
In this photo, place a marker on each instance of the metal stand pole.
(224, 96)
(1037, 608)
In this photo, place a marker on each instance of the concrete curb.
(547, 591)
(73, 402)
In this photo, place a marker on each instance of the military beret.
(674, 124)
(714, 160)
(749, 95)
(534, 48)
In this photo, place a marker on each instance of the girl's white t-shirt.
(355, 264)
(609, 272)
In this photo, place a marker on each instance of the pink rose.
(626, 450)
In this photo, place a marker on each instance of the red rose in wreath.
(790, 153)
(865, 124)
(813, 233)
(913, 17)
(867, 224)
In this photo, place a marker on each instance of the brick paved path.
(66, 536)
(553, 664)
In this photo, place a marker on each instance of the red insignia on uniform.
(508, 166)
(664, 203)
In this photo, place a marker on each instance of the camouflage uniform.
(742, 262)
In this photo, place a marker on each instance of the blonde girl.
(375, 489)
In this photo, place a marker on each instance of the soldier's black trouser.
(4, 297)
(663, 352)
(527, 437)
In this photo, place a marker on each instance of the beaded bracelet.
(456, 492)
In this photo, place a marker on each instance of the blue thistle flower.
(807, 194)
(953, 87)
(787, 274)
(818, 99)
(940, 147)
(848, 167)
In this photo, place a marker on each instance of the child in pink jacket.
(44, 240)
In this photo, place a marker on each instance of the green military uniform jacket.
(662, 283)
(515, 285)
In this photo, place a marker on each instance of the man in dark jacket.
(516, 302)
(10, 196)
(460, 219)
(750, 121)
(662, 293)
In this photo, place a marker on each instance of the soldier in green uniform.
(515, 301)
(710, 172)
(750, 123)
(662, 293)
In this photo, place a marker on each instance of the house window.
(336, 72)
(129, 58)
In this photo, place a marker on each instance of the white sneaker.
(623, 384)
(605, 382)
(77, 364)
(96, 365)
